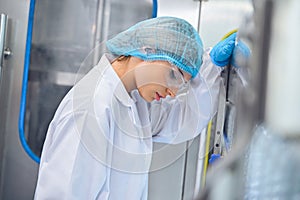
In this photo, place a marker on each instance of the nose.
(171, 93)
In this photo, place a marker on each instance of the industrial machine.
(43, 45)
(262, 163)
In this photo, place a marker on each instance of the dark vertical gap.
(199, 16)
(184, 169)
(266, 37)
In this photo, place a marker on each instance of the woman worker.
(149, 86)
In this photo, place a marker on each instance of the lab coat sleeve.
(173, 120)
(67, 170)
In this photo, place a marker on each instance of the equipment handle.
(3, 22)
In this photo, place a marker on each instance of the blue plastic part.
(154, 8)
(213, 158)
(24, 85)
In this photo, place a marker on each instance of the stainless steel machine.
(262, 163)
(44, 43)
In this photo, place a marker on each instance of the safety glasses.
(175, 78)
(165, 74)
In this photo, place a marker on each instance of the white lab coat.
(99, 143)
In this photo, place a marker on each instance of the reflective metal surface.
(18, 171)
(3, 21)
(272, 169)
(64, 34)
(260, 165)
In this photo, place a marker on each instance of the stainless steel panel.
(64, 34)
(191, 167)
(18, 171)
(166, 182)
(3, 21)
(177, 179)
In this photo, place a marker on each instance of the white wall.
(217, 16)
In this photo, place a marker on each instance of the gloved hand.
(221, 52)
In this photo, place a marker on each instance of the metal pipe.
(199, 16)
(102, 28)
(3, 23)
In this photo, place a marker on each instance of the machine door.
(49, 40)
(64, 35)
(16, 168)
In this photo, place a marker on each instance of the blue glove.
(222, 51)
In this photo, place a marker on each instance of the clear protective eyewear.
(175, 78)
(167, 75)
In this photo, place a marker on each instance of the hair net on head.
(163, 38)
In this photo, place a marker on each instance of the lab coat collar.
(120, 91)
(123, 96)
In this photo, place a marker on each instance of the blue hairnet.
(163, 38)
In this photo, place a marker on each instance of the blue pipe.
(154, 9)
(24, 84)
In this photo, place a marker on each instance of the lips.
(157, 96)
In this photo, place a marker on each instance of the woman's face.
(159, 79)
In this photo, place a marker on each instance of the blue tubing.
(154, 9)
(24, 85)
